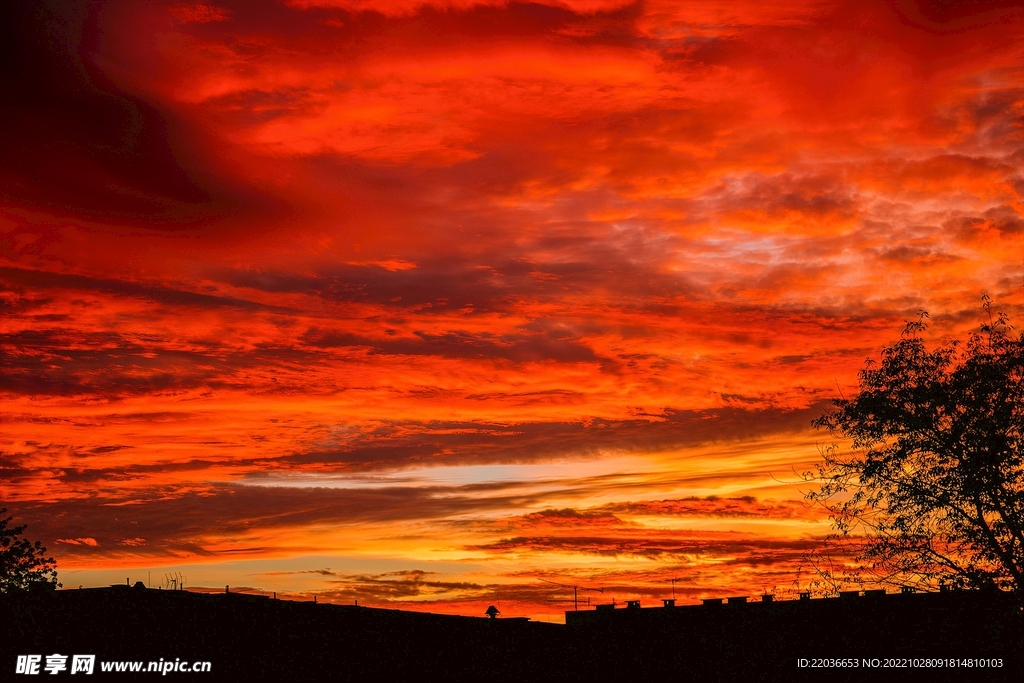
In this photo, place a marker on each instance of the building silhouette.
(258, 638)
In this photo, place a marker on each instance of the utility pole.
(575, 591)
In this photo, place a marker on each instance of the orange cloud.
(500, 291)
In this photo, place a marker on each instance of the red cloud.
(319, 242)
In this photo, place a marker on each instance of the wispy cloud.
(555, 284)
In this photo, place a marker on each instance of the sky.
(437, 304)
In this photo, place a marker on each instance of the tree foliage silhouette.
(932, 490)
(23, 564)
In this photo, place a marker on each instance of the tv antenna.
(575, 590)
(174, 580)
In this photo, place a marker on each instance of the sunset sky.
(435, 304)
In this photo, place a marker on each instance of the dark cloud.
(406, 443)
(715, 506)
(69, 363)
(35, 280)
(940, 17)
(424, 587)
(517, 348)
(810, 197)
(1002, 220)
(195, 523)
(402, 444)
(71, 139)
(164, 520)
(920, 255)
(566, 517)
(106, 479)
(474, 285)
(659, 546)
(597, 527)
(405, 584)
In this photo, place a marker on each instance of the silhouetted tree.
(23, 564)
(932, 491)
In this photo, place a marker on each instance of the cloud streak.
(541, 285)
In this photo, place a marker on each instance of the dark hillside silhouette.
(255, 638)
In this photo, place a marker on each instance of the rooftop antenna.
(674, 587)
(575, 589)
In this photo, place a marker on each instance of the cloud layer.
(549, 287)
